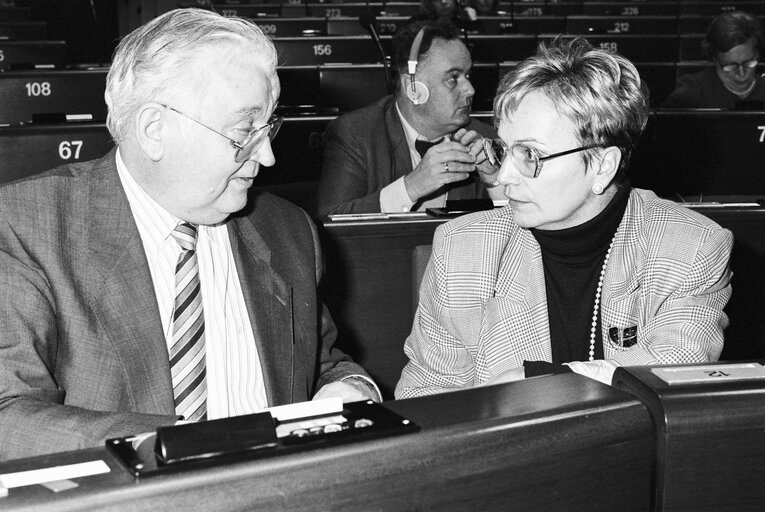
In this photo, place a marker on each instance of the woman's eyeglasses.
(527, 160)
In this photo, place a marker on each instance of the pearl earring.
(597, 189)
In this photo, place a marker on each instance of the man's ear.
(150, 121)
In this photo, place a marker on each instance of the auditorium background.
(54, 57)
(561, 442)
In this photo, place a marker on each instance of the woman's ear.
(610, 159)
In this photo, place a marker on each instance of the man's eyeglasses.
(527, 160)
(732, 67)
(252, 141)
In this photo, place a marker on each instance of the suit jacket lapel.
(621, 279)
(124, 299)
(521, 280)
(401, 160)
(269, 303)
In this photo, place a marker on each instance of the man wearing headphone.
(418, 147)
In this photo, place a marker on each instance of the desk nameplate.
(710, 373)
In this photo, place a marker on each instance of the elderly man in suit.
(141, 288)
(580, 272)
(418, 147)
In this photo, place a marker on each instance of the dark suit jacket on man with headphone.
(369, 158)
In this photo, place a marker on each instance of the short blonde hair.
(600, 92)
(154, 59)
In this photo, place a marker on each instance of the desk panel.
(530, 25)
(300, 51)
(585, 25)
(552, 443)
(629, 8)
(343, 9)
(27, 53)
(28, 150)
(12, 13)
(695, 154)
(709, 436)
(23, 30)
(502, 48)
(637, 48)
(291, 27)
(532, 9)
(26, 93)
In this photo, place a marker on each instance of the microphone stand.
(367, 20)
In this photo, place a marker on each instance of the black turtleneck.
(572, 260)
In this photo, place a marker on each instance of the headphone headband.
(414, 52)
(418, 92)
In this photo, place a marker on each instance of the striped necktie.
(187, 350)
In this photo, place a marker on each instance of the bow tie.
(422, 146)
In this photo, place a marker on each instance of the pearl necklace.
(593, 329)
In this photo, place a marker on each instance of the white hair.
(153, 60)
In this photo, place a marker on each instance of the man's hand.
(473, 141)
(444, 163)
(349, 390)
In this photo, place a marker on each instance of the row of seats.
(682, 155)
(302, 51)
(519, 8)
(341, 19)
(49, 96)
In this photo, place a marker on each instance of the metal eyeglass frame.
(243, 153)
(732, 67)
(496, 160)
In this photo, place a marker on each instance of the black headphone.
(417, 92)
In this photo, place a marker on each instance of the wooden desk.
(710, 441)
(368, 287)
(550, 443)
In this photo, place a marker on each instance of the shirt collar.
(409, 132)
(159, 223)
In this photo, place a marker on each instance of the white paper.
(39, 476)
(304, 409)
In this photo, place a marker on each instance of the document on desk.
(375, 216)
(53, 474)
(710, 373)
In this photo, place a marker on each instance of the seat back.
(420, 258)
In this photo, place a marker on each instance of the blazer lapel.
(124, 299)
(521, 281)
(621, 277)
(269, 303)
(402, 161)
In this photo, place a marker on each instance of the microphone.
(367, 20)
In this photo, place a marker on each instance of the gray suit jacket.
(365, 151)
(483, 304)
(82, 351)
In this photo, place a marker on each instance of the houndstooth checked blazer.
(483, 306)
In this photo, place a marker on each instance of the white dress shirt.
(394, 197)
(234, 376)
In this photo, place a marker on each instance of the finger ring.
(446, 166)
